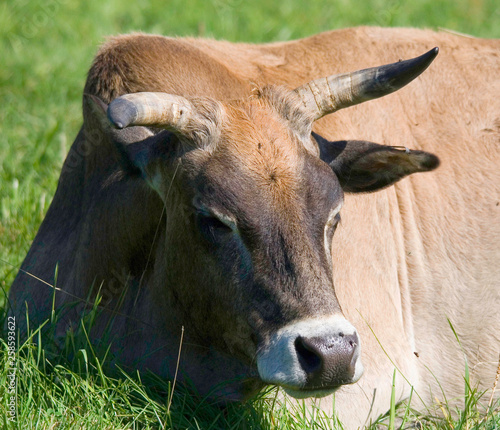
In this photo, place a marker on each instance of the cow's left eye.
(332, 224)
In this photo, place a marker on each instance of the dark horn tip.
(397, 75)
(433, 52)
(121, 113)
(426, 59)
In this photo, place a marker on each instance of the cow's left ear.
(365, 166)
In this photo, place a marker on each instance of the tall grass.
(76, 388)
(45, 49)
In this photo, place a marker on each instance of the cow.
(202, 198)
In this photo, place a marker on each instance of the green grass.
(74, 389)
(45, 50)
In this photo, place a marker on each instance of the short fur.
(405, 260)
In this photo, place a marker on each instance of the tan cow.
(212, 206)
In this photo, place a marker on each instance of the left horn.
(327, 95)
(157, 109)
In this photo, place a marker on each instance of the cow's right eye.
(212, 227)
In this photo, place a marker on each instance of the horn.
(158, 109)
(327, 95)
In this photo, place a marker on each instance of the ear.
(365, 166)
(139, 149)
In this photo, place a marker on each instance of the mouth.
(310, 392)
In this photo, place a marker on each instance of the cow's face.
(262, 212)
(253, 199)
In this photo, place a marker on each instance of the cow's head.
(253, 198)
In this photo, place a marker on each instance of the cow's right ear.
(364, 166)
(140, 150)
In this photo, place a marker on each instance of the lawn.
(45, 50)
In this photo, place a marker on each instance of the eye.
(212, 227)
(332, 225)
(336, 222)
(330, 228)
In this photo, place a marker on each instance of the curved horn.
(159, 109)
(327, 95)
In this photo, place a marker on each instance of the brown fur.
(404, 259)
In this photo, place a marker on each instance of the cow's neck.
(370, 251)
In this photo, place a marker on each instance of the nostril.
(329, 360)
(308, 355)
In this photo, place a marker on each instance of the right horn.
(327, 95)
(155, 109)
